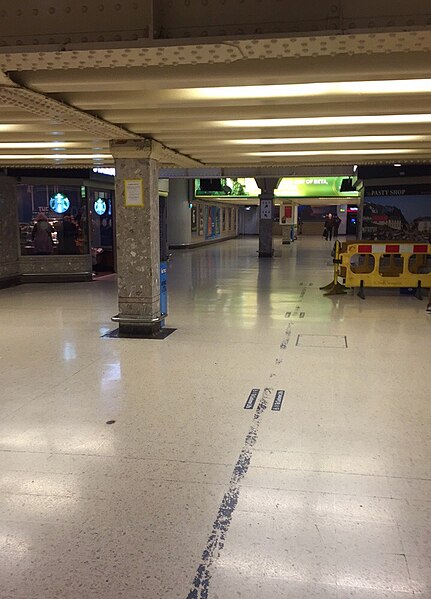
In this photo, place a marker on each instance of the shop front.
(66, 224)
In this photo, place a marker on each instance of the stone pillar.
(342, 215)
(179, 225)
(138, 241)
(266, 210)
(9, 234)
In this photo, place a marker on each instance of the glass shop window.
(102, 230)
(52, 219)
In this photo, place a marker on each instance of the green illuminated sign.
(289, 187)
(312, 187)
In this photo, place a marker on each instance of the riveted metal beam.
(63, 22)
(150, 148)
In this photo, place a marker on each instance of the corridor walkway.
(186, 494)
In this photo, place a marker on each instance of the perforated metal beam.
(41, 105)
(64, 22)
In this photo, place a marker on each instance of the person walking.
(329, 226)
(337, 222)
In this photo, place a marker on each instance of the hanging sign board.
(266, 209)
(133, 193)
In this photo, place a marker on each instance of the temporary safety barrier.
(381, 264)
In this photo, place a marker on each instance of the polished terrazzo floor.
(189, 495)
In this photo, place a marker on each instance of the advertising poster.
(212, 228)
(194, 219)
(201, 220)
(285, 214)
(406, 217)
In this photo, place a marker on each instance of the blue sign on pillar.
(163, 290)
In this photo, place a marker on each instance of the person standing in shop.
(329, 226)
(69, 237)
(42, 235)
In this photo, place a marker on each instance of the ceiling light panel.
(346, 152)
(55, 156)
(302, 90)
(321, 121)
(329, 140)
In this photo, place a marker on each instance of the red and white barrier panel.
(394, 248)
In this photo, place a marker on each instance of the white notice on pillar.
(133, 192)
(266, 209)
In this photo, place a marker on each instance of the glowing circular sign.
(59, 203)
(100, 207)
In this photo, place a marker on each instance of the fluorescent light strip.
(12, 127)
(328, 140)
(320, 121)
(35, 145)
(54, 156)
(332, 88)
(346, 152)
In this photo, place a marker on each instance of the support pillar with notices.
(138, 238)
(266, 210)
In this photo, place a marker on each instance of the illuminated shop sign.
(59, 203)
(105, 171)
(100, 206)
(312, 187)
(289, 187)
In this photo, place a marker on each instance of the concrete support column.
(138, 240)
(9, 238)
(342, 215)
(266, 210)
(179, 226)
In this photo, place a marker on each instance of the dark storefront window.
(102, 230)
(52, 219)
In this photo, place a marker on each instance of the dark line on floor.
(216, 540)
(286, 338)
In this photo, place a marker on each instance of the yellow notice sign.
(133, 193)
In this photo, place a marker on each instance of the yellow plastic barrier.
(381, 264)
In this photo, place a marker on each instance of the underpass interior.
(275, 444)
(334, 499)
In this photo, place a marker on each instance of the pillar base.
(266, 254)
(138, 334)
(132, 326)
(139, 331)
(9, 281)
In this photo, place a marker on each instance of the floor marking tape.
(249, 404)
(278, 401)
